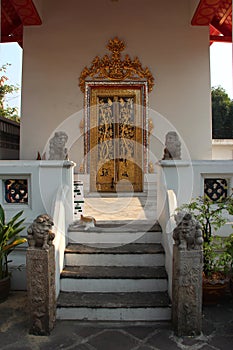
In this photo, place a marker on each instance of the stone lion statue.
(40, 233)
(57, 149)
(188, 233)
(173, 146)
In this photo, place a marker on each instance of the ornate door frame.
(126, 174)
(114, 78)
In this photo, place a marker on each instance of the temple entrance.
(116, 122)
(116, 139)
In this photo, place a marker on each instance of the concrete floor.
(217, 331)
(121, 207)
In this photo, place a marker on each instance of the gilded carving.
(82, 126)
(115, 139)
(115, 68)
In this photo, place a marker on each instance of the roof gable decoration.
(115, 68)
(217, 14)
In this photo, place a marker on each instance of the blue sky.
(220, 65)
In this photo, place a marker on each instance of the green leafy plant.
(229, 249)
(217, 258)
(5, 89)
(9, 239)
(212, 216)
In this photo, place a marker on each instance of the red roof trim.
(218, 15)
(205, 12)
(15, 15)
(27, 12)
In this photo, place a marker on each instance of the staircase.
(114, 272)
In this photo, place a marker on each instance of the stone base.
(41, 290)
(187, 292)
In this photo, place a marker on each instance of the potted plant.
(217, 269)
(217, 259)
(9, 239)
(229, 249)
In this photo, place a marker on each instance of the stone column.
(40, 262)
(187, 276)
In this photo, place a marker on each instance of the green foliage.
(5, 89)
(9, 238)
(211, 215)
(217, 258)
(222, 114)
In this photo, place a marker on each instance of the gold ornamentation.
(115, 140)
(114, 68)
(81, 126)
(82, 168)
(151, 168)
(150, 126)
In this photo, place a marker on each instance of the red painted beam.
(27, 12)
(221, 38)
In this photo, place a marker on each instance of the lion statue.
(187, 234)
(173, 146)
(40, 233)
(57, 149)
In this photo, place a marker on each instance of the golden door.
(116, 140)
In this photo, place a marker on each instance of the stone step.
(116, 238)
(126, 226)
(113, 279)
(134, 254)
(117, 233)
(136, 306)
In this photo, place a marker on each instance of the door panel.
(116, 140)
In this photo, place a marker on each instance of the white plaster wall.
(222, 149)
(74, 32)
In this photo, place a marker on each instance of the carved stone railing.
(187, 276)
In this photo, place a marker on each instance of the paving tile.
(190, 341)
(162, 341)
(18, 347)
(140, 332)
(222, 342)
(62, 340)
(113, 340)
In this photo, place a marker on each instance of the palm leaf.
(14, 244)
(2, 215)
(18, 223)
(12, 221)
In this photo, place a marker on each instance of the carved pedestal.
(41, 289)
(187, 291)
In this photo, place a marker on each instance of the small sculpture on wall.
(40, 233)
(173, 146)
(188, 233)
(57, 149)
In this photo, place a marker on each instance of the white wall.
(186, 179)
(50, 190)
(73, 33)
(222, 149)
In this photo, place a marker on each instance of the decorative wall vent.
(215, 189)
(115, 68)
(16, 191)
